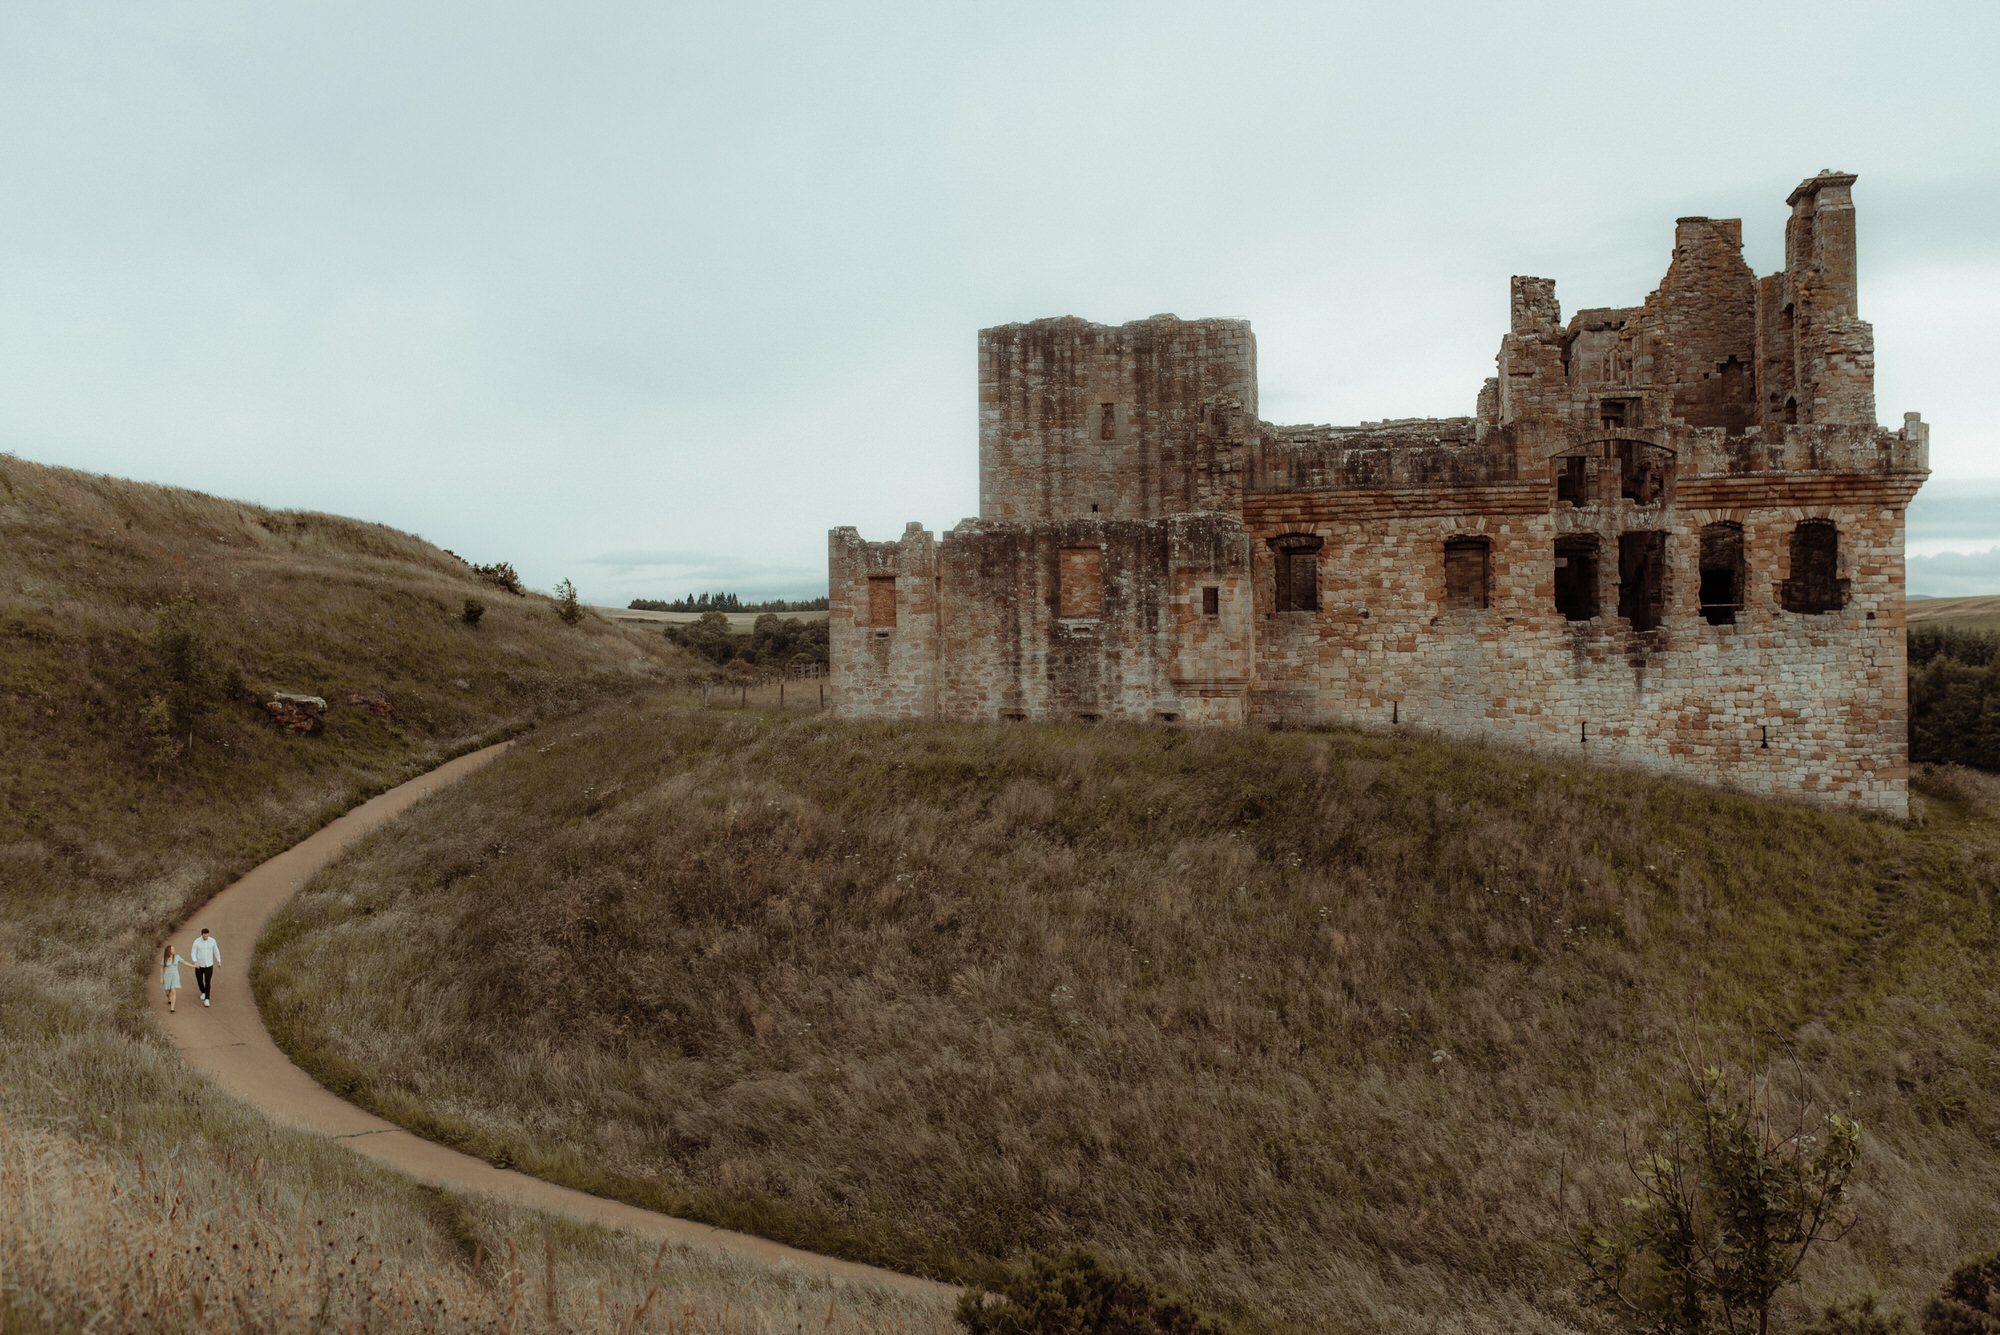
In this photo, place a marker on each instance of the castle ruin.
(1670, 536)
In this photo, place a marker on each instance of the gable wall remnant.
(1596, 563)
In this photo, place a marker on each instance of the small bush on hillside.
(568, 609)
(474, 609)
(1728, 1205)
(1970, 1303)
(1857, 1316)
(185, 678)
(1077, 1294)
(502, 575)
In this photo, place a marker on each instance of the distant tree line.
(727, 602)
(1955, 696)
(774, 643)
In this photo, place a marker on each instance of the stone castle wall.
(1670, 536)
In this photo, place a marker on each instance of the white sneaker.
(204, 1001)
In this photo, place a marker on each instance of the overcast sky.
(652, 295)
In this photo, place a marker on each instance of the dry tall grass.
(103, 847)
(1304, 1024)
(207, 1240)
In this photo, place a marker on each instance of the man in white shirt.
(206, 954)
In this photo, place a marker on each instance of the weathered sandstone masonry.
(1670, 536)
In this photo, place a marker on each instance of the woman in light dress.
(170, 974)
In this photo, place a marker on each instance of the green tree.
(1727, 1206)
(1077, 1294)
(185, 679)
(567, 607)
(707, 636)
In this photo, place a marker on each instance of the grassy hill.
(116, 1166)
(1308, 1024)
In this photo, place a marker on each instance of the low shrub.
(1076, 1293)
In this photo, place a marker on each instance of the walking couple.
(204, 954)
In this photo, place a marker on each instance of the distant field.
(740, 622)
(1978, 613)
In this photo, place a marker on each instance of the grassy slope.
(102, 848)
(1306, 1023)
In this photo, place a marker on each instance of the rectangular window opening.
(881, 600)
(1107, 423)
(1721, 572)
(1642, 568)
(1570, 480)
(1211, 602)
(1295, 571)
(1815, 584)
(1468, 573)
(1576, 576)
(1081, 581)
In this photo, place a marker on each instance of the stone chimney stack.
(1816, 355)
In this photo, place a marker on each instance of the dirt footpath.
(228, 1043)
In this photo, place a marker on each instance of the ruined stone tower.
(1670, 536)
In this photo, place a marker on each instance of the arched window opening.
(1815, 584)
(1468, 573)
(1722, 576)
(1791, 412)
(1295, 564)
(1576, 576)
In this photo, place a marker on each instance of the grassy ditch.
(108, 837)
(1307, 1025)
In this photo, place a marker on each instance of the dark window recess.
(1791, 412)
(1642, 472)
(1642, 578)
(1721, 572)
(1815, 585)
(1467, 572)
(1211, 602)
(1576, 576)
(1295, 561)
(1107, 425)
(1618, 412)
(881, 600)
(1571, 480)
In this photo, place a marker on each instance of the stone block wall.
(1133, 422)
(1670, 537)
(882, 625)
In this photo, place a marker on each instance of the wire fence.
(800, 693)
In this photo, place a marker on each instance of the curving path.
(228, 1043)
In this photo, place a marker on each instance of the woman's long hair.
(167, 953)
